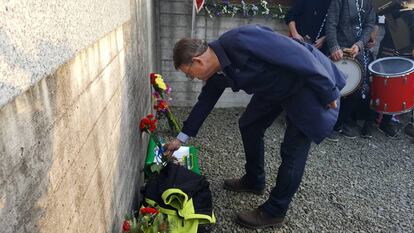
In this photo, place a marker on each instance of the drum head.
(353, 73)
(391, 66)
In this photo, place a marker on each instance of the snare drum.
(353, 73)
(392, 86)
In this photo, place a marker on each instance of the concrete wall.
(73, 84)
(174, 23)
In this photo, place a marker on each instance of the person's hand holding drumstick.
(353, 51)
(338, 54)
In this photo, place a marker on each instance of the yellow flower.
(160, 83)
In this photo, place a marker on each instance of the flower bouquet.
(148, 125)
(149, 220)
(161, 97)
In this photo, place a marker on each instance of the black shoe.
(388, 130)
(334, 136)
(348, 132)
(409, 130)
(257, 218)
(240, 185)
(367, 129)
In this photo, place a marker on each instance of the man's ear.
(198, 60)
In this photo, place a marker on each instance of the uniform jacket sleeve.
(210, 93)
(274, 48)
(294, 12)
(331, 26)
(367, 25)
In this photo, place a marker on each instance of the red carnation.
(153, 76)
(153, 126)
(148, 210)
(149, 123)
(161, 106)
(126, 227)
(145, 122)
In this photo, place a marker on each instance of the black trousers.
(353, 108)
(259, 115)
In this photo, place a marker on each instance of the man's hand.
(332, 105)
(171, 146)
(319, 42)
(371, 43)
(337, 55)
(354, 50)
(297, 36)
(373, 37)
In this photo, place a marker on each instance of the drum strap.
(365, 85)
(321, 27)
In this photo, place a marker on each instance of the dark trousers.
(353, 108)
(259, 115)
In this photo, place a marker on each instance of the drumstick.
(348, 51)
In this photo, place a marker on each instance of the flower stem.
(173, 121)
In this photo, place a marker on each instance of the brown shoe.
(257, 218)
(238, 185)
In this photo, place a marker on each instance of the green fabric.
(179, 200)
(192, 164)
(183, 220)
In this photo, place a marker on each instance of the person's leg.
(294, 152)
(369, 116)
(386, 127)
(345, 112)
(345, 123)
(259, 115)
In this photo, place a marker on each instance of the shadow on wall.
(56, 173)
(26, 157)
(136, 103)
(26, 134)
(23, 69)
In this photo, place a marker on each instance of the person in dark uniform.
(388, 48)
(264, 63)
(306, 21)
(349, 25)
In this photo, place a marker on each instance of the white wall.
(73, 84)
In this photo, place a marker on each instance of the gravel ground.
(359, 185)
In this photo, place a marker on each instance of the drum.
(392, 85)
(353, 73)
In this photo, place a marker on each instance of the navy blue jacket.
(309, 17)
(262, 62)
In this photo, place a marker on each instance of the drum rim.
(393, 75)
(360, 78)
(391, 113)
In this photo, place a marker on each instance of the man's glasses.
(188, 75)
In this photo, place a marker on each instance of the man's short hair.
(187, 48)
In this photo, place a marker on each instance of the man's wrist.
(334, 48)
(360, 45)
(182, 137)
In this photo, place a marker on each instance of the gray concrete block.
(175, 23)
